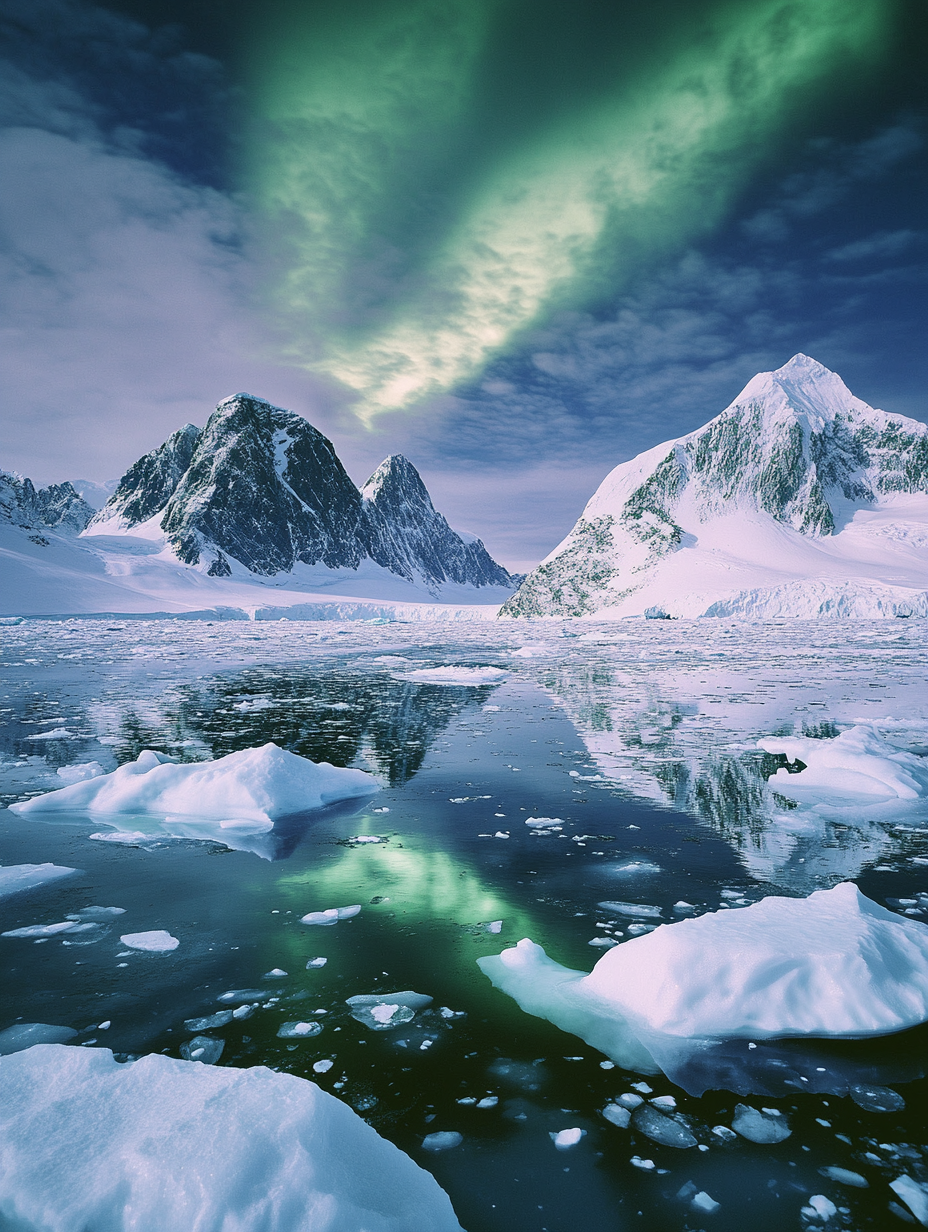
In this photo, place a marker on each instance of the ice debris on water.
(236, 996)
(157, 941)
(275, 974)
(15, 878)
(661, 1128)
(330, 916)
(220, 1019)
(844, 1176)
(641, 910)
(564, 1139)
(617, 1115)
(914, 1194)
(646, 1165)
(42, 930)
(457, 675)
(856, 765)
(874, 1098)
(298, 1030)
(384, 1011)
(495, 926)
(316, 962)
(488, 1101)
(704, 1203)
(820, 1208)
(767, 1125)
(203, 1048)
(442, 1141)
(322, 1067)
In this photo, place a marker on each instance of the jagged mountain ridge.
(58, 507)
(260, 486)
(750, 497)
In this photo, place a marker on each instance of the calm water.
(641, 738)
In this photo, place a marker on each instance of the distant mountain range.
(798, 500)
(262, 489)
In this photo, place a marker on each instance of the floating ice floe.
(23, 1035)
(857, 767)
(245, 1148)
(331, 915)
(384, 1011)
(157, 941)
(15, 878)
(833, 965)
(252, 785)
(457, 675)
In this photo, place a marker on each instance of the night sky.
(518, 242)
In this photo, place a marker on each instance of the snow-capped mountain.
(57, 507)
(798, 500)
(410, 537)
(262, 489)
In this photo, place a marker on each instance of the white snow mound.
(161, 1143)
(833, 965)
(251, 785)
(856, 763)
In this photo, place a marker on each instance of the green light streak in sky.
(410, 262)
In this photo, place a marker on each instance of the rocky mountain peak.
(149, 484)
(58, 507)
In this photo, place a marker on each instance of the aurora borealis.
(518, 242)
(368, 118)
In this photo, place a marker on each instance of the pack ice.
(257, 785)
(833, 965)
(162, 1143)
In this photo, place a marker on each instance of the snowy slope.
(799, 500)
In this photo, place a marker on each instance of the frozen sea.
(639, 737)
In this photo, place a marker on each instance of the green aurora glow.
(418, 231)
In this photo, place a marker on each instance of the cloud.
(879, 246)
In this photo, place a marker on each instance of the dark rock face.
(148, 485)
(409, 537)
(57, 507)
(268, 490)
(263, 487)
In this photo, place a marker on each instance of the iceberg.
(257, 785)
(855, 767)
(162, 1143)
(834, 965)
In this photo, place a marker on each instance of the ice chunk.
(844, 1177)
(640, 910)
(914, 1194)
(617, 1115)
(121, 836)
(220, 1019)
(488, 1101)
(857, 763)
(767, 1125)
(23, 1035)
(316, 962)
(660, 1128)
(834, 964)
(566, 1138)
(544, 823)
(15, 878)
(158, 941)
(820, 1208)
(457, 675)
(384, 1011)
(101, 914)
(247, 1149)
(635, 868)
(80, 773)
(274, 974)
(237, 996)
(322, 1067)
(646, 1165)
(442, 1141)
(876, 1099)
(257, 785)
(203, 1048)
(298, 1030)
(42, 930)
(703, 1202)
(331, 916)
(494, 926)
